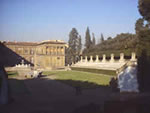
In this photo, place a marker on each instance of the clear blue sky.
(36, 20)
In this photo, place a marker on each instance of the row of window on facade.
(47, 50)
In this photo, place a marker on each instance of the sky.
(37, 20)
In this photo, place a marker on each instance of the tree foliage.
(88, 41)
(75, 46)
(143, 34)
(139, 25)
(109, 38)
(93, 41)
(124, 42)
(79, 45)
(102, 38)
(144, 9)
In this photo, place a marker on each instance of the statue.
(127, 78)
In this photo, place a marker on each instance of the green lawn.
(12, 73)
(98, 71)
(81, 79)
(76, 78)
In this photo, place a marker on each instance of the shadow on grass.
(20, 87)
(83, 84)
(49, 90)
(17, 86)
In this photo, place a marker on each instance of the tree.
(75, 46)
(139, 25)
(124, 42)
(88, 41)
(144, 9)
(109, 38)
(143, 35)
(79, 45)
(102, 38)
(93, 41)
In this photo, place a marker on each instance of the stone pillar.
(104, 58)
(81, 59)
(72, 63)
(121, 57)
(112, 58)
(35, 58)
(86, 59)
(91, 58)
(97, 58)
(133, 57)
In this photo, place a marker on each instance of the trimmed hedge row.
(99, 71)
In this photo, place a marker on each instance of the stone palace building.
(46, 54)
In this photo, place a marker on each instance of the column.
(86, 59)
(133, 56)
(91, 58)
(35, 58)
(57, 50)
(81, 59)
(121, 57)
(97, 58)
(72, 63)
(112, 58)
(104, 58)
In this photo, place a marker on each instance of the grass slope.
(80, 79)
(99, 71)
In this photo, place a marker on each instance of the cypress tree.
(88, 41)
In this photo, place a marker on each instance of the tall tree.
(144, 9)
(143, 34)
(93, 41)
(139, 25)
(75, 46)
(88, 41)
(79, 45)
(102, 38)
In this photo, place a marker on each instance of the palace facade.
(46, 54)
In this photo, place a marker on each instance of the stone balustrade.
(112, 59)
(104, 63)
(81, 59)
(104, 58)
(121, 57)
(97, 58)
(133, 57)
(86, 59)
(91, 58)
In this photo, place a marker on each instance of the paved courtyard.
(45, 95)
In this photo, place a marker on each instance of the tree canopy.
(144, 9)
(75, 46)
(88, 41)
(124, 42)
